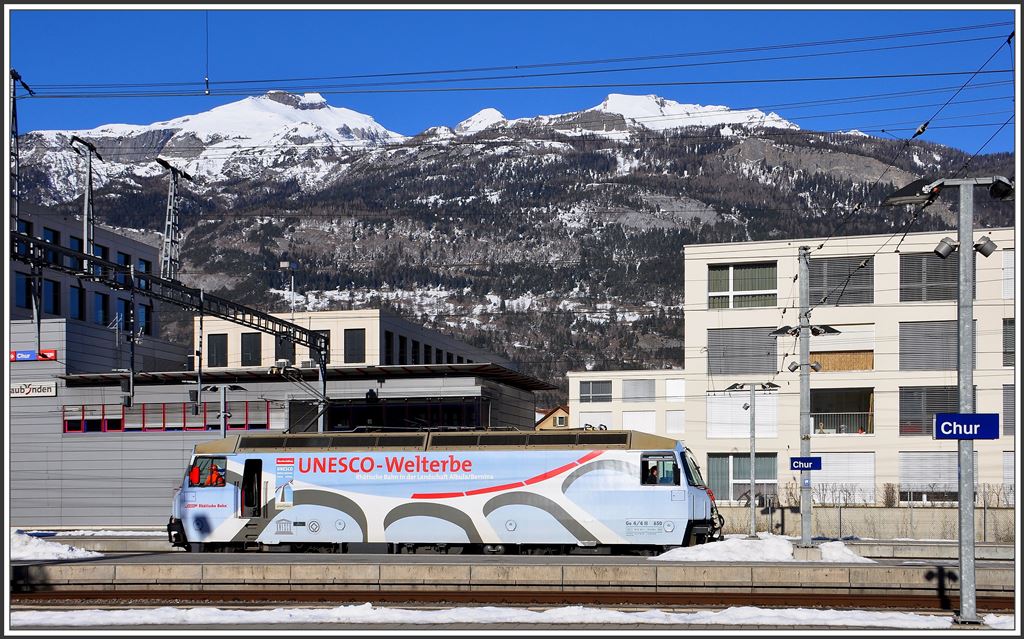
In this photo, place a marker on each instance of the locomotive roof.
(464, 440)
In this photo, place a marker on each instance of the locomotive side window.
(658, 469)
(207, 471)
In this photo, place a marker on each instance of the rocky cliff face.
(555, 240)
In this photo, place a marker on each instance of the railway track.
(790, 598)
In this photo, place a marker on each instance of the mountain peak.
(479, 121)
(655, 112)
(304, 101)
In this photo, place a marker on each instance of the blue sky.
(50, 47)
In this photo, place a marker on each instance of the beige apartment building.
(881, 378)
(651, 401)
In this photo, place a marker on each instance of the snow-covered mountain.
(295, 135)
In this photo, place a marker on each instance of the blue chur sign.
(805, 463)
(966, 426)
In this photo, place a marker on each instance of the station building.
(82, 455)
(881, 378)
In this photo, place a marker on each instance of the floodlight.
(1001, 189)
(984, 245)
(815, 366)
(945, 246)
(793, 366)
(746, 406)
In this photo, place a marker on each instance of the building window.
(101, 308)
(675, 422)
(726, 416)
(932, 346)
(449, 358)
(729, 476)
(313, 355)
(22, 290)
(415, 352)
(403, 350)
(1008, 346)
(123, 312)
(355, 345)
(926, 277)
(252, 344)
(428, 354)
(459, 359)
(76, 303)
(737, 351)
(675, 390)
(638, 390)
(217, 349)
(1009, 483)
(389, 348)
(599, 421)
(125, 260)
(284, 348)
(842, 281)
(143, 268)
(51, 297)
(918, 405)
(438, 356)
(52, 237)
(596, 391)
(742, 285)
(931, 476)
(844, 478)
(24, 227)
(75, 244)
(145, 319)
(560, 421)
(1009, 406)
(101, 252)
(643, 421)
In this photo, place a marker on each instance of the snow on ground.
(370, 614)
(27, 547)
(96, 533)
(767, 547)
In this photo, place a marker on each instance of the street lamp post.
(290, 266)
(753, 483)
(924, 193)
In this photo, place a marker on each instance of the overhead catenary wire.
(663, 67)
(541, 87)
(514, 67)
(917, 132)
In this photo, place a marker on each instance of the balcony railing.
(843, 423)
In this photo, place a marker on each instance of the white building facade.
(881, 378)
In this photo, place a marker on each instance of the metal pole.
(291, 295)
(87, 245)
(753, 485)
(15, 183)
(805, 396)
(223, 409)
(965, 383)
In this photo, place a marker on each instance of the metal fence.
(843, 513)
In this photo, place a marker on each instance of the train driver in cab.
(215, 478)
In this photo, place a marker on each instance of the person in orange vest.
(215, 478)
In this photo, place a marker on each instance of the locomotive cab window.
(659, 469)
(208, 471)
(693, 476)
